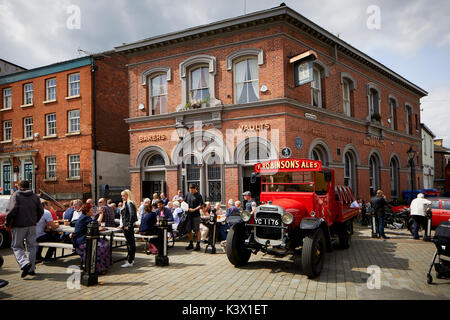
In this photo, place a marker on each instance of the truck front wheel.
(313, 253)
(237, 253)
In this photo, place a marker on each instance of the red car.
(440, 208)
(5, 236)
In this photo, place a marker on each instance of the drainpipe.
(94, 135)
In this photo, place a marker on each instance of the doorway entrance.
(153, 182)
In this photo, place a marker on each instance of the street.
(403, 264)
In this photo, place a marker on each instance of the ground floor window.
(374, 174)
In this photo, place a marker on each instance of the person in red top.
(53, 212)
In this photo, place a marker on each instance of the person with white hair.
(419, 207)
(141, 209)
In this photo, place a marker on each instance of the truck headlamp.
(287, 218)
(245, 215)
(312, 213)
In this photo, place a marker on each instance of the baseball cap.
(247, 193)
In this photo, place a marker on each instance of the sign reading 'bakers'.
(288, 165)
(154, 137)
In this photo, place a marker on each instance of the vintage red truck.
(302, 211)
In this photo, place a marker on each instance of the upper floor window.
(374, 104)
(50, 167)
(393, 110)
(50, 88)
(28, 127)
(199, 86)
(409, 126)
(7, 98)
(74, 166)
(50, 124)
(28, 94)
(316, 89)
(7, 130)
(74, 121)
(246, 82)
(158, 94)
(74, 84)
(424, 145)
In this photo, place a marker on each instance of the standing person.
(23, 213)
(378, 204)
(164, 199)
(128, 218)
(178, 197)
(248, 197)
(419, 207)
(195, 201)
(357, 204)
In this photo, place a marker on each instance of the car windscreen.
(289, 182)
(3, 204)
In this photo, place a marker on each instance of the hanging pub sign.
(303, 67)
(288, 165)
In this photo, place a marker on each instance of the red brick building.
(63, 127)
(232, 85)
(441, 166)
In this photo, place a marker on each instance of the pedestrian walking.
(249, 201)
(378, 204)
(23, 213)
(418, 209)
(128, 217)
(195, 201)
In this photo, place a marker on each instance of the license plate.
(267, 222)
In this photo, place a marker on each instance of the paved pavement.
(195, 275)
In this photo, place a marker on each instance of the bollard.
(374, 225)
(427, 235)
(162, 259)
(90, 277)
(212, 232)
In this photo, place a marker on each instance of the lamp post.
(411, 153)
(181, 131)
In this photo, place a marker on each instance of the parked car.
(5, 235)
(440, 209)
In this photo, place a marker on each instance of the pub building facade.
(63, 127)
(209, 102)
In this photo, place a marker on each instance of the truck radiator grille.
(269, 219)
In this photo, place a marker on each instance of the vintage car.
(440, 210)
(302, 212)
(5, 235)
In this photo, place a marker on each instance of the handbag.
(183, 222)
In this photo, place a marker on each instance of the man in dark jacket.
(378, 204)
(23, 213)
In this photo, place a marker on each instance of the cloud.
(436, 112)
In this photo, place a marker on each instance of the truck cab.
(301, 210)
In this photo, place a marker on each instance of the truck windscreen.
(289, 182)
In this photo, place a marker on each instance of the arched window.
(246, 82)
(319, 153)
(350, 171)
(156, 160)
(393, 110)
(256, 151)
(374, 174)
(394, 169)
(158, 94)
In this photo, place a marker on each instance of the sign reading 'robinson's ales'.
(288, 165)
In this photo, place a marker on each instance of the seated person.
(163, 211)
(148, 220)
(205, 212)
(79, 239)
(44, 232)
(176, 214)
(108, 213)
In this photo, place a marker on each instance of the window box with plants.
(196, 104)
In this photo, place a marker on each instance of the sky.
(411, 37)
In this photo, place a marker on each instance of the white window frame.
(235, 83)
(70, 118)
(50, 166)
(346, 101)
(190, 87)
(28, 127)
(371, 102)
(7, 130)
(318, 90)
(7, 99)
(73, 84)
(28, 93)
(49, 85)
(50, 124)
(74, 166)
(152, 111)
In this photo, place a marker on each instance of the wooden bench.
(59, 245)
(137, 236)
